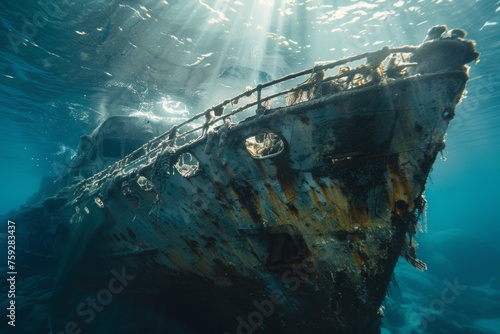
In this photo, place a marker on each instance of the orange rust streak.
(288, 189)
(290, 195)
(339, 199)
(231, 209)
(274, 202)
(401, 189)
(325, 190)
(315, 198)
(357, 259)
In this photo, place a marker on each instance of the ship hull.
(303, 240)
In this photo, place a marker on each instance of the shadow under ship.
(288, 221)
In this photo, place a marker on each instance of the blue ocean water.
(66, 66)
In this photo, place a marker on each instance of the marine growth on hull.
(309, 193)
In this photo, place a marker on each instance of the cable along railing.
(350, 78)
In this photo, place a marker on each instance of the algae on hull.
(313, 200)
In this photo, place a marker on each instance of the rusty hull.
(316, 229)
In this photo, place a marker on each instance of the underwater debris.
(305, 91)
(395, 69)
(144, 183)
(447, 52)
(435, 33)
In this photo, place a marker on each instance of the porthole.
(187, 165)
(448, 114)
(264, 145)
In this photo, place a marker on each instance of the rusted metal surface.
(321, 220)
(348, 205)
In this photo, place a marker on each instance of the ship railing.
(215, 116)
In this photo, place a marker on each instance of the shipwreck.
(289, 220)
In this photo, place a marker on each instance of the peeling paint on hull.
(304, 240)
(243, 226)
